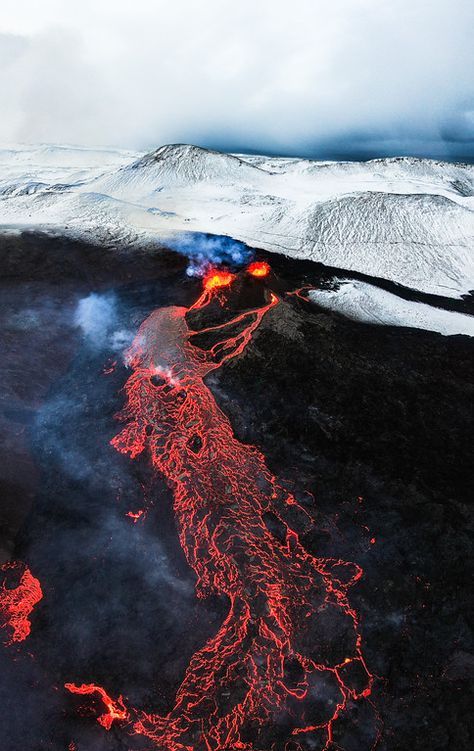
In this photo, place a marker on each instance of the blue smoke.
(98, 318)
(205, 250)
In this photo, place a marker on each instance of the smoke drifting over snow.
(314, 79)
(204, 251)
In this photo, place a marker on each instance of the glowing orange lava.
(116, 709)
(291, 636)
(259, 268)
(135, 515)
(17, 604)
(214, 279)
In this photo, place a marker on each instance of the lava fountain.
(265, 661)
(259, 268)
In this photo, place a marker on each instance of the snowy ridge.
(188, 164)
(367, 303)
(405, 219)
(30, 169)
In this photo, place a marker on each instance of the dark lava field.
(370, 428)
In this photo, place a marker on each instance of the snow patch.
(367, 303)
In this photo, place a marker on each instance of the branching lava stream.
(271, 657)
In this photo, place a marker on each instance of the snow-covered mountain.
(32, 168)
(404, 219)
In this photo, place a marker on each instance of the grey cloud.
(459, 127)
(271, 76)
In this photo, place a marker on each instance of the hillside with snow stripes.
(406, 220)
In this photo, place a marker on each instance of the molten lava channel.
(115, 709)
(264, 662)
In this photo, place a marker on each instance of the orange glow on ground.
(259, 268)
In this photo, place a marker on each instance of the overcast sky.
(309, 77)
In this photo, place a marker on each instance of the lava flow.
(289, 651)
(115, 707)
(17, 603)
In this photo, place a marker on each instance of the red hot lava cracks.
(17, 603)
(243, 678)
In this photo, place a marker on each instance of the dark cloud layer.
(357, 77)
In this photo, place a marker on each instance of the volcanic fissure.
(234, 521)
